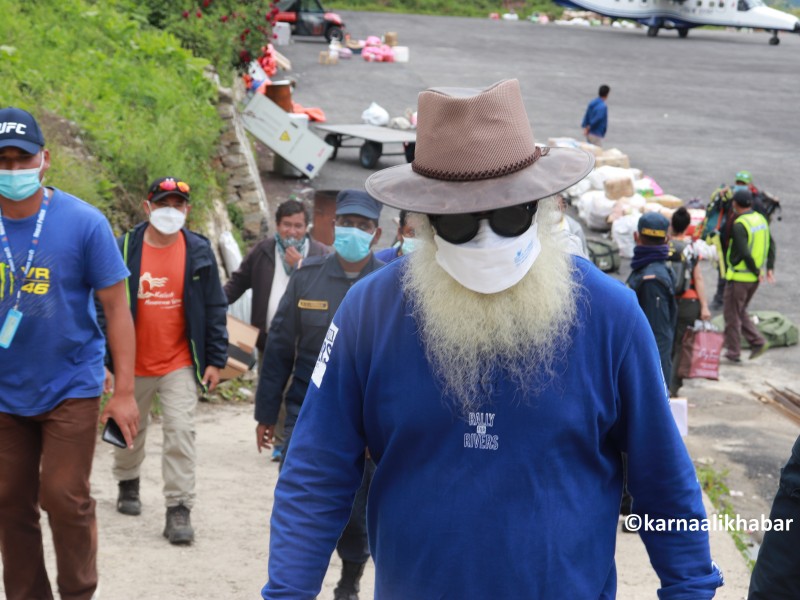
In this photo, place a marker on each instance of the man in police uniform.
(296, 335)
(654, 283)
(751, 249)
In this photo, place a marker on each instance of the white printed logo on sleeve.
(324, 355)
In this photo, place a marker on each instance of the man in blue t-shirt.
(495, 380)
(595, 121)
(56, 249)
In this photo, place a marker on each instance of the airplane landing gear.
(652, 31)
(774, 40)
(683, 32)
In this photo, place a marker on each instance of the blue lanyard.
(34, 243)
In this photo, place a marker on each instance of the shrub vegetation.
(140, 102)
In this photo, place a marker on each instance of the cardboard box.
(328, 58)
(619, 187)
(613, 158)
(667, 201)
(241, 345)
(591, 149)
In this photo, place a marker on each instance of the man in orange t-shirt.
(179, 310)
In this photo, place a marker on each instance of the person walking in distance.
(690, 289)
(653, 280)
(750, 259)
(595, 120)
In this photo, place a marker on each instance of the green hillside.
(120, 101)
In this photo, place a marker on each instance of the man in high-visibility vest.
(750, 251)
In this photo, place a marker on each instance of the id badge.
(10, 327)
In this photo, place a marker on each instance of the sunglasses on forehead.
(507, 222)
(170, 185)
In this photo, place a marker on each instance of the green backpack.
(604, 253)
(775, 327)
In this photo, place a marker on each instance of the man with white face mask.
(56, 250)
(495, 380)
(179, 311)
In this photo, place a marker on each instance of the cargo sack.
(700, 351)
(604, 253)
(776, 328)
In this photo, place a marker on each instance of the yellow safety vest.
(757, 242)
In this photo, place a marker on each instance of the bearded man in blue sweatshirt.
(495, 380)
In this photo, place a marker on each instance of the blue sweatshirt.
(517, 500)
(596, 117)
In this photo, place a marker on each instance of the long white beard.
(520, 333)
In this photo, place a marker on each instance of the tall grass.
(140, 102)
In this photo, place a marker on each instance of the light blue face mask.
(20, 184)
(409, 245)
(352, 244)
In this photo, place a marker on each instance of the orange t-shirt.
(161, 342)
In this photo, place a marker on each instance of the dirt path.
(231, 517)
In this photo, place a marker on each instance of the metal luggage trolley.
(374, 138)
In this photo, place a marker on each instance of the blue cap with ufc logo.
(19, 129)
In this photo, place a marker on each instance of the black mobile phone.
(113, 434)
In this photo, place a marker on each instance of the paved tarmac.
(689, 113)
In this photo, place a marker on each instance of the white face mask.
(489, 263)
(167, 220)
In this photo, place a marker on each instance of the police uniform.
(298, 329)
(655, 289)
(295, 338)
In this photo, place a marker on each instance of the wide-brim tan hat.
(475, 151)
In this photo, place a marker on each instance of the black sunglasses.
(507, 222)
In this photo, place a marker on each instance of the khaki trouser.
(177, 393)
(594, 139)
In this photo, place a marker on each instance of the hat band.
(478, 175)
(653, 232)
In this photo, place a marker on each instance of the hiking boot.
(179, 525)
(757, 351)
(128, 502)
(733, 359)
(349, 584)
